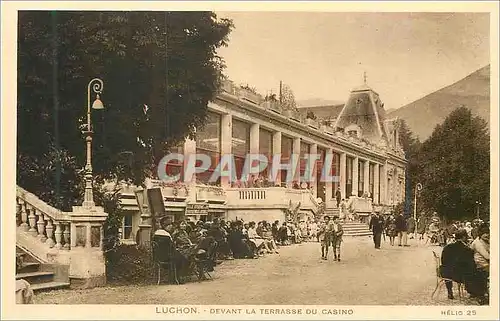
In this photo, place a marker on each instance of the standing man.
(377, 227)
(338, 196)
(325, 236)
(402, 230)
(336, 238)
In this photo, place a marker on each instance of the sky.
(324, 55)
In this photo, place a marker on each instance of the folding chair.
(440, 280)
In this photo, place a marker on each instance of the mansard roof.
(364, 109)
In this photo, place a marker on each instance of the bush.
(130, 264)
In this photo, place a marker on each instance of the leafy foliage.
(411, 146)
(399, 208)
(287, 98)
(311, 115)
(454, 166)
(130, 264)
(160, 70)
(38, 175)
(165, 60)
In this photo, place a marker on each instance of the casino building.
(363, 144)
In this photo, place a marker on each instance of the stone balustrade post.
(32, 220)
(66, 236)
(18, 212)
(58, 235)
(24, 215)
(41, 227)
(50, 230)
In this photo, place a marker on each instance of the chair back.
(163, 249)
(437, 262)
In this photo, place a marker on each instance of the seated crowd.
(466, 261)
(441, 234)
(220, 240)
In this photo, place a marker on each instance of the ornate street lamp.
(478, 205)
(97, 86)
(418, 188)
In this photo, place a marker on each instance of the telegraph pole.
(281, 94)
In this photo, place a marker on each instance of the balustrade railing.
(252, 194)
(48, 224)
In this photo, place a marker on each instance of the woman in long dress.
(185, 249)
(267, 234)
(254, 237)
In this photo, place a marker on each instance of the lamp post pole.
(418, 188)
(96, 85)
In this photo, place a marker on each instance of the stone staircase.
(356, 229)
(57, 246)
(332, 212)
(41, 276)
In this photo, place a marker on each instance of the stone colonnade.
(379, 178)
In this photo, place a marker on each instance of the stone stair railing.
(42, 221)
(313, 200)
(69, 238)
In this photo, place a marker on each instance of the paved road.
(365, 276)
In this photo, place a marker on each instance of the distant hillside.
(424, 114)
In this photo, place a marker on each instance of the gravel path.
(365, 276)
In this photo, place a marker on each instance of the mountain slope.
(424, 114)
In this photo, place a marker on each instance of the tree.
(311, 115)
(287, 98)
(166, 61)
(411, 146)
(455, 167)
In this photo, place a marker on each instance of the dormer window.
(353, 130)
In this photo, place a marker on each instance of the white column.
(343, 174)
(226, 142)
(376, 182)
(383, 184)
(276, 151)
(366, 174)
(355, 173)
(314, 183)
(296, 153)
(329, 195)
(254, 138)
(189, 151)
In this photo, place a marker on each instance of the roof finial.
(364, 77)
